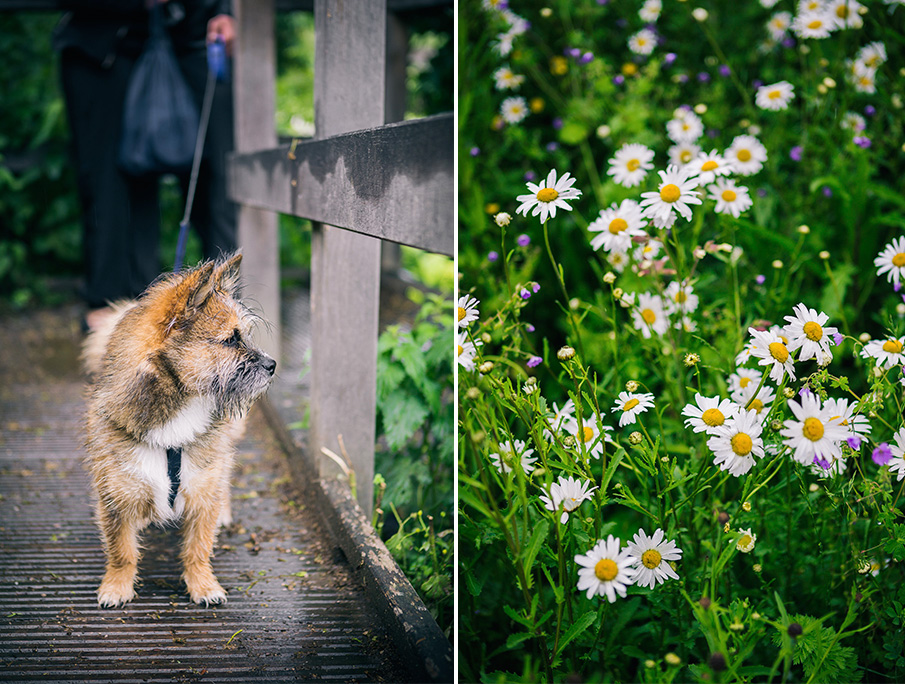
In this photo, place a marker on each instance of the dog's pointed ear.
(226, 274)
(200, 286)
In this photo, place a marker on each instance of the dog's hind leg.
(120, 537)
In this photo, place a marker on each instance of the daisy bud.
(502, 219)
(565, 353)
(824, 255)
(864, 337)
(746, 506)
(631, 386)
(726, 527)
(700, 108)
(758, 568)
(609, 278)
(546, 12)
(717, 662)
(699, 253)
(813, 487)
(603, 131)
(776, 425)
(737, 627)
(900, 309)
(863, 566)
(777, 264)
(822, 89)
(635, 438)
(618, 292)
(486, 338)
(568, 441)
(700, 14)
(788, 393)
(829, 82)
(472, 393)
(486, 367)
(574, 303)
(692, 359)
(650, 664)
(804, 229)
(672, 659)
(478, 437)
(491, 208)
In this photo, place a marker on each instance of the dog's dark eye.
(234, 340)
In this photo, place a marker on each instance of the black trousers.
(120, 213)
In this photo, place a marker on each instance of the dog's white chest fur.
(151, 468)
(192, 420)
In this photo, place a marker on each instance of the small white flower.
(845, 13)
(616, 226)
(813, 434)
(746, 543)
(618, 260)
(779, 24)
(872, 55)
(466, 310)
(650, 10)
(562, 419)
(545, 198)
(708, 166)
(888, 353)
(505, 79)
(775, 97)
(466, 350)
(807, 330)
(675, 193)
(592, 434)
(813, 24)
(683, 153)
(514, 109)
(737, 442)
(649, 316)
(651, 556)
(629, 405)
(897, 462)
(863, 78)
(513, 453)
(605, 570)
(685, 128)
(769, 348)
(746, 154)
(567, 493)
(643, 42)
(679, 298)
(891, 261)
(852, 122)
(842, 412)
(630, 164)
(730, 198)
(708, 413)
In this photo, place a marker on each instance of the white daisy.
(769, 348)
(683, 153)
(567, 493)
(649, 316)
(746, 542)
(863, 78)
(675, 192)
(505, 79)
(590, 434)
(549, 195)
(888, 353)
(684, 128)
(562, 419)
(618, 260)
(679, 298)
(872, 55)
(503, 43)
(708, 413)
(813, 24)
(775, 97)
(650, 10)
(616, 226)
(743, 380)
(651, 556)
(813, 434)
(845, 13)
(746, 154)
(807, 330)
(630, 164)
(779, 24)
(708, 166)
(737, 442)
(629, 405)
(730, 198)
(643, 42)
(605, 570)
(649, 251)
(744, 355)
(897, 462)
(466, 350)
(843, 412)
(891, 261)
(514, 109)
(466, 310)
(852, 122)
(748, 401)
(513, 453)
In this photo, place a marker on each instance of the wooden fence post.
(254, 98)
(349, 92)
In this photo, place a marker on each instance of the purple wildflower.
(535, 361)
(854, 442)
(574, 53)
(703, 77)
(475, 151)
(827, 192)
(760, 279)
(530, 176)
(669, 58)
(870, 110)
(535, 287)
(493, 256)
(838, 338)
(618, 79)
(796, 152)
(822, 462)
(725, 70)
(529, 327)
(524, 294)
(523, 240)
(882, 455)
(861, 141)
(586, 58)
(788, 42)
(552, 146)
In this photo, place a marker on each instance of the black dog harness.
(174, 465)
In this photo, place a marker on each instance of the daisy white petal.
(807, 330)
(629, 405)
(650, 557)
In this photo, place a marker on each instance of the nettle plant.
(711, 500)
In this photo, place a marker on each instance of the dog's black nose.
(268, 364)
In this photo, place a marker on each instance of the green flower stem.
(562, 284)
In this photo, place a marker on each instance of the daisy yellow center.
(774, 94)
(633, 164)
(630, 404)
(745, 540)
(743, 382)
(899, 260)
(459, 349)
(606, 570)
(586, 434)
(842, 11)
(681, 297)
(892, 347)
(813, 429)
(713, 417)
(779, 352)
(649, 316)
(547, 194)
(812, 330)
(461, 313)
(651, 558)
(729, 195)
(741, 444)
(685, 156)
(743, 155)
(816, 24)
(670, 193)
(756, 405)
(617, 225)
(709, 165)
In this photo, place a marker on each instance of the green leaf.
(579, 626)
(529, 553)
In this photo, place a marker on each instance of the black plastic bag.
(160, 117)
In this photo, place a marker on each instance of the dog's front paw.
(115, 591)
(206, 590)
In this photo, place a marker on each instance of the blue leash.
(217, 71)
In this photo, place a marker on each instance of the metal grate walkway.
(295, 612)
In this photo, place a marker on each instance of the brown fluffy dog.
(172, 370)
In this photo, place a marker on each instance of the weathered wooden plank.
(349, 90)
(254, 99)
(394, 182)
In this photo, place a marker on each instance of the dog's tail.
(94, 348)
